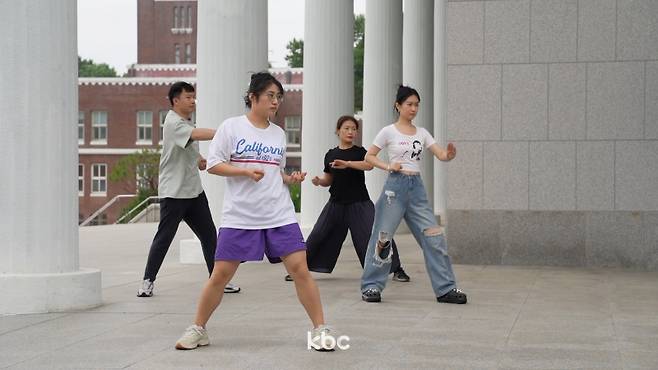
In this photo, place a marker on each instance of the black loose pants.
(326, 239)
(196, 214)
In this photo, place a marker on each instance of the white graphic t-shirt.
(248, 204)
(406, 149)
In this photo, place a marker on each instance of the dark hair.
(405, 92)
(177, 88)
(344, 119)
(259, 83)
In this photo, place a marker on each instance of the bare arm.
(444, 154)
(371, 158)
(325, 180)
(227, 170)
(357, 165)
(360, 165)
(202, 134)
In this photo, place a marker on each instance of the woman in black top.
(349, 206)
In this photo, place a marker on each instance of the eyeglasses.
(277, 97)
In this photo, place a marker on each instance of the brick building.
(166, 32)
(120, 116)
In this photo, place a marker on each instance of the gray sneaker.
(146, 290)
(193, 337)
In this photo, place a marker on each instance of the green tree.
(87, 68)
(295, 56)
(143, 167)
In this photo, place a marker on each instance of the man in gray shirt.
(181, 195)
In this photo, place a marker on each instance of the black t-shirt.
(349, 185)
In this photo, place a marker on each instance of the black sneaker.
(401, 276)
(371, 295)
(288, 278)
(454, 296)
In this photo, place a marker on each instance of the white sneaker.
(323, 332)
(193, 337)
(231, 288)
(146, 290)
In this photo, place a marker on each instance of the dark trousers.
(326, 239)
(196, 214)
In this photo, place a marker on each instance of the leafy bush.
(296, 196)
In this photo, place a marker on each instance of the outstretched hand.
(339, 164)
(297, 177)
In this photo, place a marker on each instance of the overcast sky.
(107, 30)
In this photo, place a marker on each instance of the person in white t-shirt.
(258, 214)
(404, 196)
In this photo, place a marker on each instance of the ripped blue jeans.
(404, 196)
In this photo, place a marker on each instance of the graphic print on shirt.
(417, 149)
(256, 152)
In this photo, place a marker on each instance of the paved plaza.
(517, 317)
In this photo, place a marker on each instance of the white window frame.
(81, 127)
(100, 125)
(176, 17)
(297, 120)
(81, 179)
(177, 53)
(189, 17)
(188, 53)
(99, 179)
(144, 123)
(161, 118)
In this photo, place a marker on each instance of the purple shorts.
(251, 245)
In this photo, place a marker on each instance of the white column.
(231, 45)
(417, 72)
(440, 107)
(328, 90)
(382, 74)
(39, 267)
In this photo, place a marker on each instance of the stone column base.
(52, 292)
(190, 252)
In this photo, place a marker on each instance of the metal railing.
(137, 207)
(106, 206)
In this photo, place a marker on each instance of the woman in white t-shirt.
(404, 196)
(258, 214)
